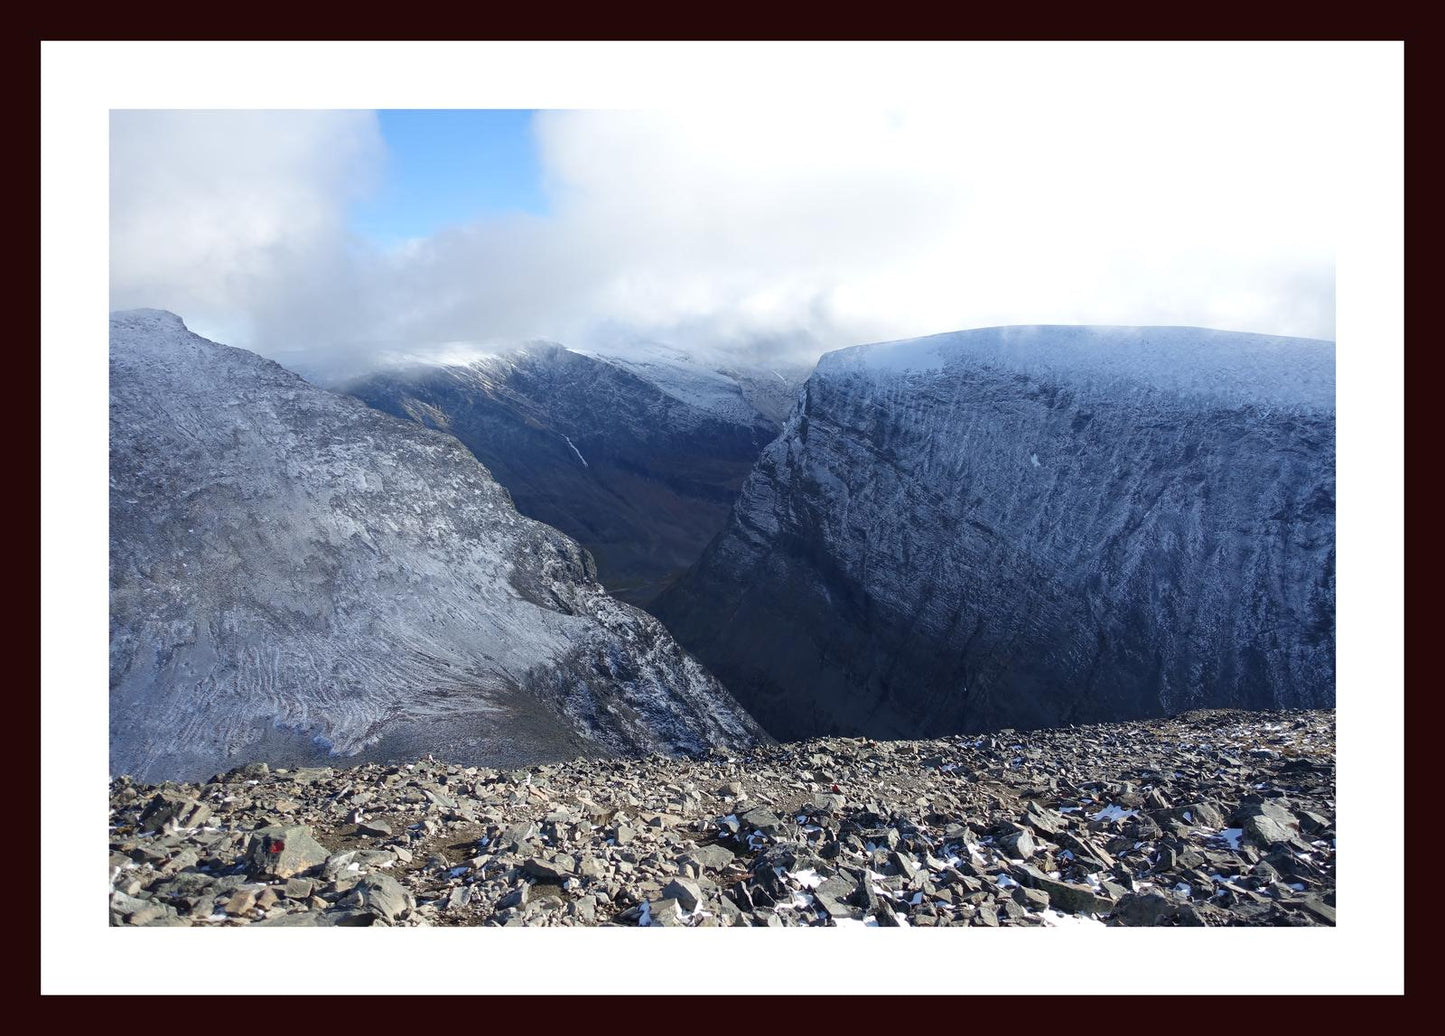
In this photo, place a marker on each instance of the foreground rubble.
(1212, 818)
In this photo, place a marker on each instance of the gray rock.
(381, 895)
(1112, 890)
(584, 909)
(1144, 909)
(123, 905)
(729, 913)
(438, 799)
(712, 857)
(175, 810)
(1018, 844)
(1071, 899)
(663, 913)
(516, 898)
(685, 892)
(182, 860)
(763, 819)
(516, 834)
(835, 895)
(299, 919)
(558, 869)
(156, 915)
(242, 902)
(1201, 814)
(1044, 821)
(1030, 898)
(284, 852)
(1316, 908)
(885, 915)
(348, 917)
(1266, 832)
(1085, 849)
(1261, 807)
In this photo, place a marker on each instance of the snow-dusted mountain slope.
(294, 574)
(727, 387)
(639, 459)
(1029, 526)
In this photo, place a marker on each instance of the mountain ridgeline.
(295, 577)
(1010, 527)
(639, 460)
(1027, 527)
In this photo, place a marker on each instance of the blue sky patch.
(448, 167)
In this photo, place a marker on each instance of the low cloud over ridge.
(789, 231)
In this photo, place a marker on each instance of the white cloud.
(236, 219)
(1118, 201)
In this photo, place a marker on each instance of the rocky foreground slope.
(637, 458)
(1211, 818)
(1030, 526)
(297, 578)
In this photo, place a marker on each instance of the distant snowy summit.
(295, 577)
(1028, 526)
(730, 387)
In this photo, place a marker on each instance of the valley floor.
(1212, 818)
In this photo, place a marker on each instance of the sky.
(444, 167)
(330, 239)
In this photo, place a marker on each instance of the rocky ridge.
(296, 578)
(1214, 818)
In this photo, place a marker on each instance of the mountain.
(295, 576)
(1030, 526)
(638, 457)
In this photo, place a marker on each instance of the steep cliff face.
(296, 576)
(1031, 526)
(638, 459)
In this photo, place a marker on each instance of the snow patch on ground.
(808, 878)
(1114, 812)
